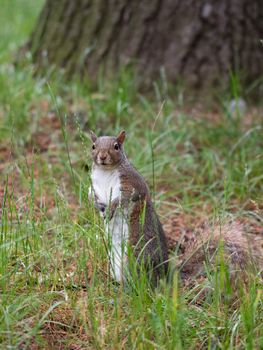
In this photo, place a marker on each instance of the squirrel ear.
(121, 137)
(92, 136)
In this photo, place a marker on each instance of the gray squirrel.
(122, 197)
(120, 191)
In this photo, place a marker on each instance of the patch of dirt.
(64, 329)
(42, 151)
(249, 117)
(180, 229)
(47, 134)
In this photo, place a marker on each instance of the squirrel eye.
(93, 146)
(116, 146)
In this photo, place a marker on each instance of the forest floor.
(202, 166)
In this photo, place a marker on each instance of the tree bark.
(200, 42)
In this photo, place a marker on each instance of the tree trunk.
(200, 42)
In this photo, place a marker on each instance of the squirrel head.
(107, 151)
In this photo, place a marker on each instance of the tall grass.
(56, 291)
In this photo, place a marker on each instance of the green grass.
(55, 288)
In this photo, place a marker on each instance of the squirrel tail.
(242, 251)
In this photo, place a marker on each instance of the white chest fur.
(106, 184)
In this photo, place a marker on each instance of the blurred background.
(200, 45)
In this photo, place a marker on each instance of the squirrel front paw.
(101, 207)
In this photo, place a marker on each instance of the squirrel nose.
(103, 156)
